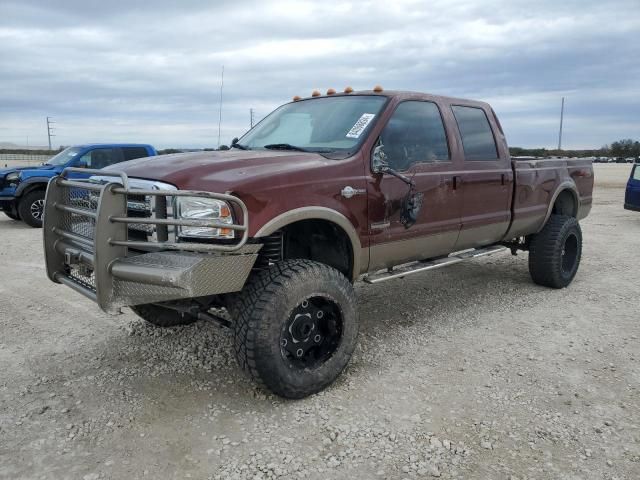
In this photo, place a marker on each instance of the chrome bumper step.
(417, 267)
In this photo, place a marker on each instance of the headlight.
(195, 208)
(13, 177)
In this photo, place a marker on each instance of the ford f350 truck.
(22, 189)
(325, 191)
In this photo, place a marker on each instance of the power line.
(49, 130)
(220, 116)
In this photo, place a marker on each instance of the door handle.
(503, 178)
(457, 181)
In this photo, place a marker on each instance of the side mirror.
(379, 159)
(234, 141)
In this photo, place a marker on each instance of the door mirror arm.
(379, 165)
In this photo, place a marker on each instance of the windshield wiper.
(285, 146)
(240, 146)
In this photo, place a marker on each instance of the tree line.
(622, 148)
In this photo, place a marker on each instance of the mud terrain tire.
(295, 327)
(555, 252)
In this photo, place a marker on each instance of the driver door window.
(415, 134)
(100, 158)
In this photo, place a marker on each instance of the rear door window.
(477, 137)
(131, 153)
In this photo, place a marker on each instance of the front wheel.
(295, 327)
(555, 252)
(31, 208)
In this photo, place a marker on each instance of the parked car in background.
(632, 194)
(22, 189)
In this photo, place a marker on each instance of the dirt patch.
(470, 372)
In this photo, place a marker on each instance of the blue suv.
(22, 189)
(632, 195)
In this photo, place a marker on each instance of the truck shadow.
(200, 354)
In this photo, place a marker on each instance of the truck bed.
(537, 182)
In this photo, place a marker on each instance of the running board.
(417, 267)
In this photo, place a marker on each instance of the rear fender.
(569, 186)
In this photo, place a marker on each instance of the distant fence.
(22, 159)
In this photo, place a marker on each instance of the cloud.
(150, 72)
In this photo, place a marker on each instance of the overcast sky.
(150, 71)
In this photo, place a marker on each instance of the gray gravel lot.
(470, 372)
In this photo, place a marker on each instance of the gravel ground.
(469, 372)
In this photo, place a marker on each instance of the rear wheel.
(295, 327)
(31, 208)
(555, 252)
(161, 316)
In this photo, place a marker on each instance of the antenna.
(561, 119)
(251, 112)
(220, 117)
(49, 130)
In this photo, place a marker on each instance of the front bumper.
(629, 206)
(7, 195)
(87, 246)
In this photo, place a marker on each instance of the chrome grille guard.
(86, 233)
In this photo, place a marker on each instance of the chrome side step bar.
(417, 267)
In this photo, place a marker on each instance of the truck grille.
(139, 206)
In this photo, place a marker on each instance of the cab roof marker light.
(348, 90)
(315, 93)
(296, 98)
(377, 89)
(331, 91)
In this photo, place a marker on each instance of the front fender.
(31, 183)
(317, 213)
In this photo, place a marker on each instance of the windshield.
(64, 156)
(323, 125)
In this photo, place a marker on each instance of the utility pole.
(251, 112)
(561, 119)
(50, 124)
(220, 116)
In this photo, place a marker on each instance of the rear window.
(130, 153)
(477, 137)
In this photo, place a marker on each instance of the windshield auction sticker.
(360, 125)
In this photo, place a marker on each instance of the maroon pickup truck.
(326, 190)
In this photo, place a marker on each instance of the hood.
(5, 171)
(222, 170)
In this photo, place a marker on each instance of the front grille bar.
(160, 221)
(87, 227)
